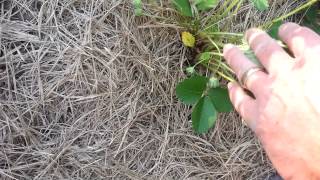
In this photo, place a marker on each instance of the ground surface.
(87, 91)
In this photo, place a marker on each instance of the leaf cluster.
(207, 101)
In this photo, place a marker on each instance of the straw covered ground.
(87, 91)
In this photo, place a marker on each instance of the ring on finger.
(249, 72)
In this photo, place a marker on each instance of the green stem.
(199, 62)
(225, 33)
(218, 49)
(217, 54)
(225, 4)
(220, 73)
(233, 3)
(225, 76)
(225, 67)
(214, 44)
(238, 7)
(224, 8)
(308, 4)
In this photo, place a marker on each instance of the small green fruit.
(213, 82)
(190, 70)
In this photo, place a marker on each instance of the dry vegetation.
(87, 91)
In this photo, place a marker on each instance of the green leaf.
(249, 53)
(220, 99)
(190, 90)
(261, 5)
(137, 7)
(312, 18)
(184, 7)
(203, 5)
(252, 57)
(312, 12)
(245, 48)
(204, 115)
(204, 57)
(274, 29)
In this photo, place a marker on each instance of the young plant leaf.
(250, 55)
(245, 48)
(190, 90)
(261, 5)
(274, 29)
(184, 7)
(204, 57)
(204, 115)
(137, 7)
(204, 5)
(220, 99)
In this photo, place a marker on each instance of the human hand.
(285, 110)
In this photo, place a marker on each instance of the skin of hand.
(285, 110)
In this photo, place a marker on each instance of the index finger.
(271, 55)
(302, 41)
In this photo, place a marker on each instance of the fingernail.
(251, 32)
(247, 34)
(287, 27)
(227, 47)
(230, 84)
(283, 28)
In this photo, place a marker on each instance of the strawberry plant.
(205, 36)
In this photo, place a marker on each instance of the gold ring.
(245, 76)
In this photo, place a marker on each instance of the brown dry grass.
(87, 91)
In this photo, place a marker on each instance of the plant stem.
(217, 54)
(311, 2)
(233, 3)
(218, 49)
(225, 3)
(225, 67)
(219, 73)
(225, 33)
(238, 7)
(225, 76)
(228, 4)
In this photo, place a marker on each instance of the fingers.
(268, 51)
(244, 104)
(301, 40)
(239, 63)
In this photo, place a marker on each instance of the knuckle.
(255, 81)
(251, 32)
(263, 46)
(256, 37)
(266, 48)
